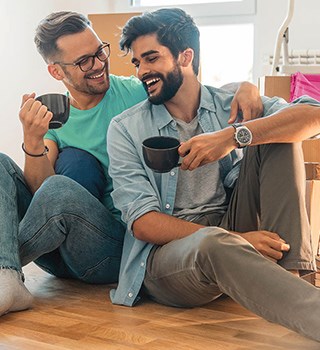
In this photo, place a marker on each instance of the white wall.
(304, 28)
(22, 68)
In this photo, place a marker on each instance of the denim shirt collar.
(164, 118)
(206, 101)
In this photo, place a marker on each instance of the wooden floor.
(72, 315)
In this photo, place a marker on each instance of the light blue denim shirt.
(138, 190)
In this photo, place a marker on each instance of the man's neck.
(84, 101)
(185, 103)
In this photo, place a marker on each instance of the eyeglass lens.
(102, 54)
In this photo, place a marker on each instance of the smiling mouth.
(150, 83)
(96, 76)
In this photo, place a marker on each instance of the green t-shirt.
(87, 129)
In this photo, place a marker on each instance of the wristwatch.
(242, 135)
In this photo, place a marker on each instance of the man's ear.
(186, 57)
(56, 71)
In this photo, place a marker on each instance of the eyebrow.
(86, 56)
(147, 53)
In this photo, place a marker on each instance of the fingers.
(184, 148)
(250, 113)
(271, 259)
(247, 113)
(26, 97)
(233, 112)
(276, 253)
(269, 244)
(273, 235)
(34, 116)
(275, 246)
(191, 160)
(257, 111)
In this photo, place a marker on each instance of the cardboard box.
(312, 171)
(313, 209)
(275, 86)
(311, 150)
(280, 86)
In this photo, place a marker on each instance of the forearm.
(37, 169)
(159, 228)
(292, 124)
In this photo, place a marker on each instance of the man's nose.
(142, 70)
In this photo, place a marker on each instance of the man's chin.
(98, 89)
(156, 99)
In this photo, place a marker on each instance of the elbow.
(139, 231)
(141, 227)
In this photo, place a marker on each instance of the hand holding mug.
(59, 105)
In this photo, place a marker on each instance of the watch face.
(243, 135)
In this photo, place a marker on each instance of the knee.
(284, 151)
(60, 184)
(5, 160)
(8, 167)
(216, 244)
(207, 242)
(82, 167)
(60, 189)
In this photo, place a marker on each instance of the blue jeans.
(82, 167)
(62, 227)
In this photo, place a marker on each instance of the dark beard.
(171, 84)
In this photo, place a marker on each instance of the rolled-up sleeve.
(133, 194)
(275, 104)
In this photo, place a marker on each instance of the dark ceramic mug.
(59, 105)
(160, 153)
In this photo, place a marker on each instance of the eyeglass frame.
(78, 64)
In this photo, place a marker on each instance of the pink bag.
(305, 84)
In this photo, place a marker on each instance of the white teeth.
(152, 81)
(96, 76)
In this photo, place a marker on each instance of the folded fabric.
(305, 84)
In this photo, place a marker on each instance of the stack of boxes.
(311, 151)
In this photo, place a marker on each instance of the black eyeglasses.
(87, 63)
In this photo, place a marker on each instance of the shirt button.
(172, 173)
(167, 206)
(142, 264)
(130, 295)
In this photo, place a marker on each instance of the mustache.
(152, 76)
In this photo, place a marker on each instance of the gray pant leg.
(175, 277)
(270, 195)
(196, 269)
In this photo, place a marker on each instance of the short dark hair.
(54, 26)
(174, 28)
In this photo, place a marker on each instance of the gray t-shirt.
(199, 192)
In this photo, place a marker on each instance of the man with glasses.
(52, 220)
